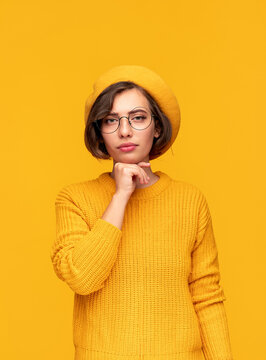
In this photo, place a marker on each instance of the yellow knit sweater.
(151, 290)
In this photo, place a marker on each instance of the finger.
(142, 163)
(141, 174)
(146, 176)
(143, 180)
(135, 170)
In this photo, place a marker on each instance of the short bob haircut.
(103, 105)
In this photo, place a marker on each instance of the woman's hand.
(126, 176)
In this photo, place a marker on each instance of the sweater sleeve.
(206, 291)
(82, 256)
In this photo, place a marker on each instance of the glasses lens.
(140, 120)
(109, 124)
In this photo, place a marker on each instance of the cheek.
(107, 142)
(110, 145)
(149, 138)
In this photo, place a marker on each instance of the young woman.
(136, 246)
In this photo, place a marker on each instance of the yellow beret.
(151, 82)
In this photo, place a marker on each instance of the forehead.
(129, 99)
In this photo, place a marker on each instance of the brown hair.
(102, 106)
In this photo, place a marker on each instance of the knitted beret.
(151, 82)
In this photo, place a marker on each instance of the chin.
(127, 159)
(130, 157)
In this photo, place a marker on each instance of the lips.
(127, 148)
(126, 145)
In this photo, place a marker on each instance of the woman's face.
(123, 103)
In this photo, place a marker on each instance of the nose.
(124, 128)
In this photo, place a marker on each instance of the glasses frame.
(96, 122)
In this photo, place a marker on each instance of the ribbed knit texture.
(151, 290)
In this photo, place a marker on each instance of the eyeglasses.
(139, 119)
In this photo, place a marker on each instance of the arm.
(115, 211)
(82, 257)
(206, 291)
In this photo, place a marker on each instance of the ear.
(156, 133)
(157, 128)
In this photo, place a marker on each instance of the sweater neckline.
(148, 192)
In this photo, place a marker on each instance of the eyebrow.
(130, 112)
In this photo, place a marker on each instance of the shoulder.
(78, 191)
(193, 199)
(188, 188)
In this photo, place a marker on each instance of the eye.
(110, 121)
(139, 117)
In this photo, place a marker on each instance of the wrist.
(121, 197)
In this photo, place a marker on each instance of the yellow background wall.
(212, 54)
